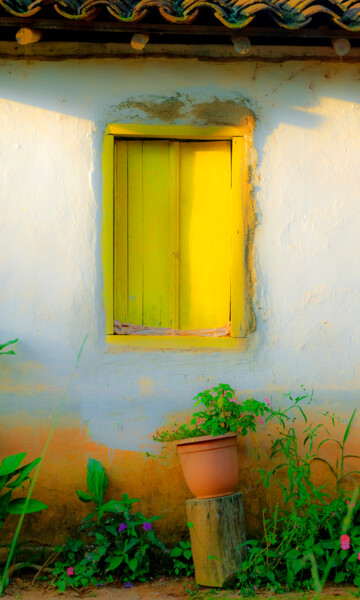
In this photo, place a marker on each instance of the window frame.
(240, 140)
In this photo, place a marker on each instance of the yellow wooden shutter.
(205, 185)
(172, 233)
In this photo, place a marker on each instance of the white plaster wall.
(52, 119)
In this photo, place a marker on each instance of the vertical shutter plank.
(156, 233)
(174, 225)
(135, 232)
(120, 233)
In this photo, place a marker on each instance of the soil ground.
(163, 589)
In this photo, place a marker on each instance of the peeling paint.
(224, 112)
(165, 109)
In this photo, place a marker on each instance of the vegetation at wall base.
(120, 541)
(183, 565)
(308, 538)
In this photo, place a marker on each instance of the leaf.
(327, 463)
(23, 474)
(115, 563)
(297, 565)
(292, 553)
(353, 557)
(111, 529)
(339, 577)
(347, 431)
(113, 506)
(176, 551)
(8, 344)
(11, 463)
(189, 524)
(96, 480)
(84, 496)
(130, 544)
(329, 440)
(4, 501)
(133, 563)
(16, 507)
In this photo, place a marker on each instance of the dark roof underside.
(233, 14)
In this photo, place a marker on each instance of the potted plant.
(208, 446)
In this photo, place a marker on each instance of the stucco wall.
(306, 302)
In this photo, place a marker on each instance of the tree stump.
(218, 528)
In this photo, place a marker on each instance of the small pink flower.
(332, 513)
(297, 526)
(256, 587)
(359, 556)
(267, 400)
(347, 501)
(70, 571)
(345, 542)
(197, 421)
(260, 420)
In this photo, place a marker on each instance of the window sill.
(161, 342)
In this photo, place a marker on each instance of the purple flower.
(122, 527)
(147, 526)
(128, 584)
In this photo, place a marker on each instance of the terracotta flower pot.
(210, 464)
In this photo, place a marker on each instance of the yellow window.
(175, 262)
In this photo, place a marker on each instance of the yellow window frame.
(240, 140)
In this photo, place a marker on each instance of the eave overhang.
(235, 15)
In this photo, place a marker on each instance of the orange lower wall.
(157, 480)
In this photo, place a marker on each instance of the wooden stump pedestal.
(218, 529)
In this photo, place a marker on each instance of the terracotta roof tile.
(235, 14)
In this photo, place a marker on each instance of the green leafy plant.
(120, 540)
(12, 476)
(182, 559)
(2, 346)
(223, 412)
(309, 538)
